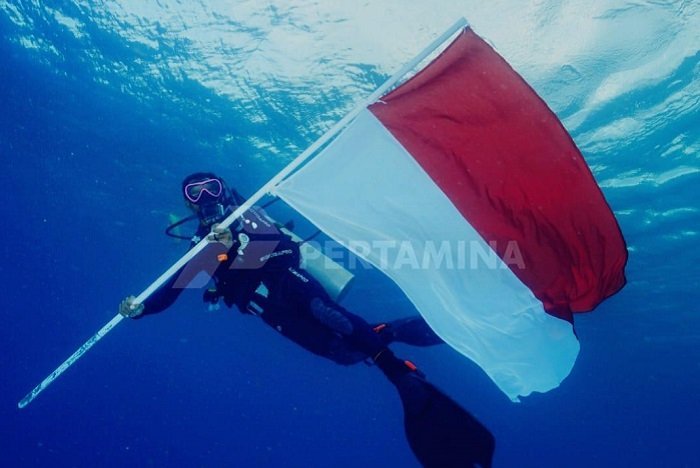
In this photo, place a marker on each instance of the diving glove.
(129, 309)
(222, 235)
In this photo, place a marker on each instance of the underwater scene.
(106, 108)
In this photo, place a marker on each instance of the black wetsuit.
(260, 275)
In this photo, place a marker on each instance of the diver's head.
(208, 196)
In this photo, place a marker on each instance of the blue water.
(105, 106)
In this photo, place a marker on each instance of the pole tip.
(25, 401)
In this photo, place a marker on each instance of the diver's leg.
(410, 330)
(353, 328)
(439, 431)
(358, 333)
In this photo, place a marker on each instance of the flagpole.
(264, 190)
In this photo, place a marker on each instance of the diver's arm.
(160, 300)
(163, 298)
(205, 262)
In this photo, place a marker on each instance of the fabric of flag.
(463, 187)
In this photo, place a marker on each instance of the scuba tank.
(334, 277)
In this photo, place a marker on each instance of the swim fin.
(440, 432)
(410, 330)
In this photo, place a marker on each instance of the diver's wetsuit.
(260, 275)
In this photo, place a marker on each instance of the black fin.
(439, 431)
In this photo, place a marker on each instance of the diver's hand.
(222, 235)
(130, 309)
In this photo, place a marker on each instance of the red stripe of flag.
(509, 166)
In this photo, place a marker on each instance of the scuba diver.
(256, 266)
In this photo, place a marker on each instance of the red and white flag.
(465, 189)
